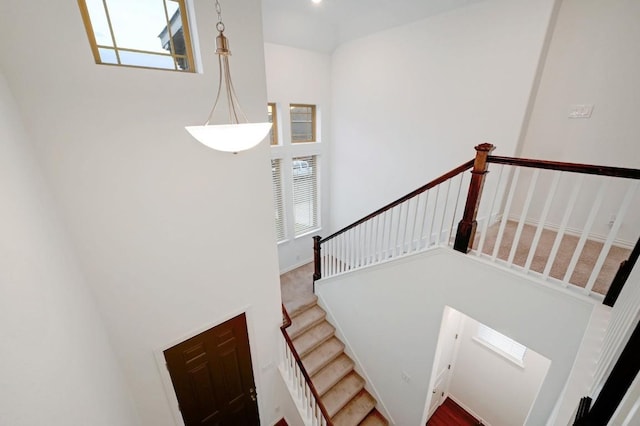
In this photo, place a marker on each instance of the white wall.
(172, 236)
(300, 76)
(492, 387)
(58, 367)
(410, 103)
(404, 301)
(592, 59)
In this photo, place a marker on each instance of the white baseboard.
(296, 266)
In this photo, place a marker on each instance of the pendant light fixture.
(238, 134)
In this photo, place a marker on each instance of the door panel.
(213, 378)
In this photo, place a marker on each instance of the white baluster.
(374, 239)
(396, 239)
(563, 226)
(523, 216)
(355, 243)
(444, 211)
(505, 213)
(487, 221)
(433, 215)
(412, 237)
(543, 219)
(585, 232)
(424, 217)
(455, 211)
(612, 235)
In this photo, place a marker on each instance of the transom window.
(140, 33)
(501, 344)
(303, 123)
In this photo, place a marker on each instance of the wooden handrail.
(589, 169)
(461, 168)
(285, 324)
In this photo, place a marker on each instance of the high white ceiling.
(322, 27)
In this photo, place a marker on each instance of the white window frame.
(186, 25)
(286, 151)
(502, 345)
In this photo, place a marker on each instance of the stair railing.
(573, 207)
(300, 382)
(512, 204)
(420, 220)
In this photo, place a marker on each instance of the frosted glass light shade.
(230, 137)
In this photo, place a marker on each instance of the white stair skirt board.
(358, 365)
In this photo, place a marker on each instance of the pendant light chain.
(219, 25)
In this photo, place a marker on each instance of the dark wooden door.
(213, 378)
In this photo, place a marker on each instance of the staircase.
(332, 372)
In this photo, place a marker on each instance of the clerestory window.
(303, 123)
(140, 33)
(501, 344)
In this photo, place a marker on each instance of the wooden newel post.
(622, 276)
(317, 273)
(467, 226)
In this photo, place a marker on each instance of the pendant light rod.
(223, 52)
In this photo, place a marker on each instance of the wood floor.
(451, 414)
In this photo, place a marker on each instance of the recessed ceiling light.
(316, 1)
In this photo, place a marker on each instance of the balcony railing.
(564, 223)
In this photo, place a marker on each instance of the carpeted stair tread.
(305, 320)
(332, 373)
(322, 355)
(299, 305)
(374, 418)
(356, 410)
(312, 338)
(342, 392)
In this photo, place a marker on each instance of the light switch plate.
(580, 111)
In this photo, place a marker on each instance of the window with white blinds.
(276, 179)
(502, 344)
(305, 193)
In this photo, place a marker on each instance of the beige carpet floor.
(586, 261)
(297, 285)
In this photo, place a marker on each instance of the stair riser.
(307, 343)
(356, 384)
(333, 382)
(328, 357)
(298, 332)
(356, 410)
